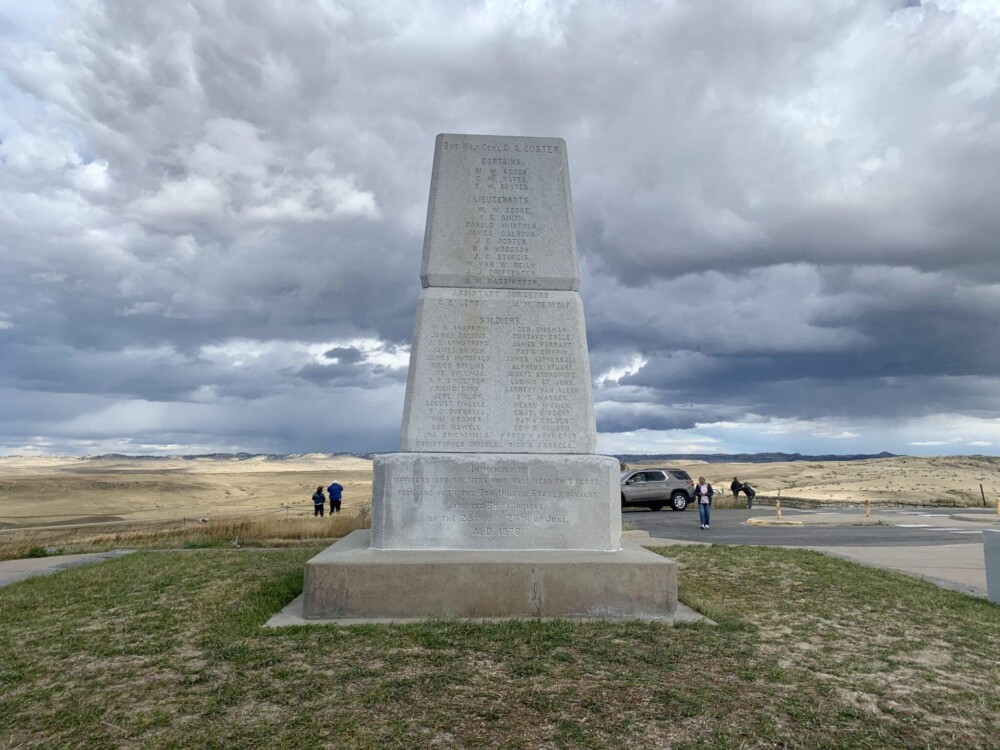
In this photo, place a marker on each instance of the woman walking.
(703, 491)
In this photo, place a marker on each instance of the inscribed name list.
(499, 370)
(500, 215)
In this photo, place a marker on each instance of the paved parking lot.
(926, 543)
(898, 528)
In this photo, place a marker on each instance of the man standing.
(335, 491)
(750, 492)
(736, 486)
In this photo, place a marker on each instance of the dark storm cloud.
(784, 211)
(347, 374)
(344, 355)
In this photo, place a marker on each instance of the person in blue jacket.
(335, 491)
(703, 494)
(318, 501)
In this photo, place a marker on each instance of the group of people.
(319, 499)
(737, 486)
(703, 493)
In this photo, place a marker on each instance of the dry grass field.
(61, 491)
(84, 504)
(904, 480)
(55, 491)
(76, 504)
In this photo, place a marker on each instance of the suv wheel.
(623, 499)
(678, 501)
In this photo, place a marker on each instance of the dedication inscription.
(498, 428)
(509, 502)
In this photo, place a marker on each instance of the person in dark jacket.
(335, 491)
(703, 494)
(736, 486)
(318, 500)
(750, 492)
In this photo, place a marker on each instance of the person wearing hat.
(336, 491)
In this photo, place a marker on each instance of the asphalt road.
(922, 527)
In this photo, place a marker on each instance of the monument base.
(352, 580)
(496, 501)
(991, 551)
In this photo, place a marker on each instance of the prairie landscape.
(902, 480)
(53, 491)
(58, 492)
(81, 504)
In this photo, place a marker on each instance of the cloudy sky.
(787, 212)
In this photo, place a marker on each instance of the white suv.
(656, 488)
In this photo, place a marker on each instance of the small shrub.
(200, 544)
(727, 501)
(34, 551)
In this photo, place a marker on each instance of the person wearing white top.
(703, 493)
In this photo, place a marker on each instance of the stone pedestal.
(500, 501)
(497, 506)
(991, 550)
(351, 580)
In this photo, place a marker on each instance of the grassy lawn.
(166, 650)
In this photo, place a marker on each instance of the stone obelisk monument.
(496, 505)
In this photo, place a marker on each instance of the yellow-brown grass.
(903, 480)
(726, 500)
(270, 531)
(35, 492)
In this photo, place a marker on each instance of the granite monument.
(496, 505)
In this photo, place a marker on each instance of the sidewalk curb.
(13, 571)
(976, 518)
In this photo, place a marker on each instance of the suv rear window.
(679, 474)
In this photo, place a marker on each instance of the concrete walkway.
(960, 567)
(967, 521)
(12, 571)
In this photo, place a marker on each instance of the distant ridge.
(748, 458)
(712, 458)
(227, 456)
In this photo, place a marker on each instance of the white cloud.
(231, 173)
(92, 178)
(615, 374)
(31, 153)
(190, 198)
